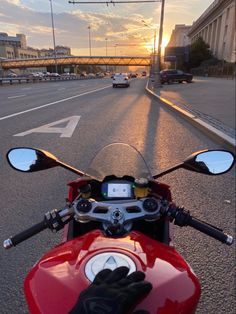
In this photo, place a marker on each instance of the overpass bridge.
(7, 64)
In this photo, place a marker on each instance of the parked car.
(91, 75)
(46, 74)
(144, 73)
(35, 76)
(83, 74)
(100, 74)
(54, 75)
(120, 79)
(133, 75)
(12, 75)
(170, 76)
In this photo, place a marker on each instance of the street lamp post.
(157, 67)
(155, 33)
(115, 53)
(53, 35)
(106, 52)
(154, 44)
(106, 46)
(89, 28)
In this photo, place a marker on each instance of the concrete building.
(179, 36)
(13, 47)
(217, 28)
(61, 51)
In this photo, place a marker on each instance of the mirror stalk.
(181, 165)
(72, 169)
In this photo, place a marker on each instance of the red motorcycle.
(117, 214)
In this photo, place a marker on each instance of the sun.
(165, 41)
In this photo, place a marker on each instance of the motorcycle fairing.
(55, 282)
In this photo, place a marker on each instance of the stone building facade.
(14, 47)
(61, 51)
(179, 36)
(217, 28)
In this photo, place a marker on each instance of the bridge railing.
(73, 60)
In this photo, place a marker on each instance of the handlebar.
(24, 235)
(182, 218)
(211, 231)
(54, 220)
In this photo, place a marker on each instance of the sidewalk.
(210, 99)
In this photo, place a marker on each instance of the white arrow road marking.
(54, 103)
(66, 131)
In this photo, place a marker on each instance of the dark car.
(170, 76)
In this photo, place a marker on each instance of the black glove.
(112, 292)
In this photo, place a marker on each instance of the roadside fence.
(22, 79)
(227, 70)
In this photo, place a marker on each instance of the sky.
(120, 27)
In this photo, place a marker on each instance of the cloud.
(71, 28)
(121, 24)
(15, 2)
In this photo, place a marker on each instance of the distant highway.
(103, 115)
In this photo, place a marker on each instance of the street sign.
(170, 58)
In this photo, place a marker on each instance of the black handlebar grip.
(26, 234)
(210, 230)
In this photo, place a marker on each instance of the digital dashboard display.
(120, 190)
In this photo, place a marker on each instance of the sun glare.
(148, 46)
(165, 41)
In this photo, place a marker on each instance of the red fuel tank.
(55, 282)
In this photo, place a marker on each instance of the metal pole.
(106, 52)
(152, 68)
(154, 52)
(53, 35)
(115, 54)
(89, 27)
(158, 57)
(106, 46)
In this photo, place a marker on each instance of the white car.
(120, 79)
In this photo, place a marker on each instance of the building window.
(227, 14)
(226, 29)
(223, 50)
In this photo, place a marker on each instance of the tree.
(199, 52)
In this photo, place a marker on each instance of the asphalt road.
(107, 115)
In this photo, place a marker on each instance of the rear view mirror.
(30, 160)
(211, 162)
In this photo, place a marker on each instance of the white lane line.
(26, 88)
(12, 97)
(54, 103)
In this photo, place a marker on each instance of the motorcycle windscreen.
(118, 159)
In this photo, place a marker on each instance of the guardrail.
(19, 80)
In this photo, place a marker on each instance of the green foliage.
(199, 52)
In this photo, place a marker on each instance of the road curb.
(208, 129)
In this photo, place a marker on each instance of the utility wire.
(113, 2)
